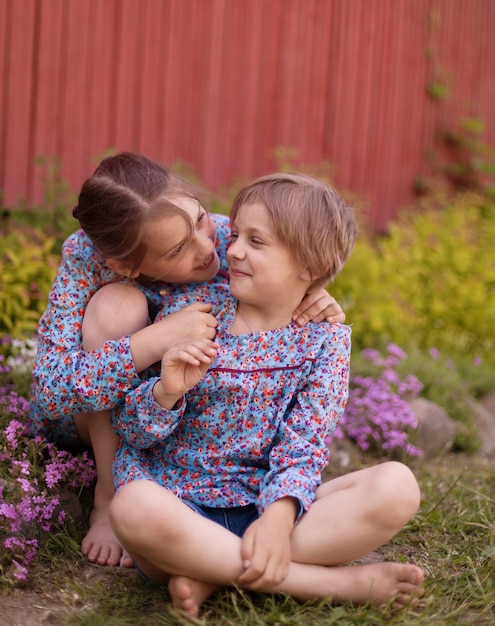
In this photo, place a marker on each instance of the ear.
(121, 268)
(306, 276)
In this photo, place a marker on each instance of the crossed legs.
(351, 516)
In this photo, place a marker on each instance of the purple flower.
(377, 416)
(29, 502)
(20, 572)
(434, 353)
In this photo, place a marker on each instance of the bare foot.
(126, 560)
(100, 544)
(397, 582)
(378, 583)
(189, 594)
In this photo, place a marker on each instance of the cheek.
(230, 250)
(212, 229)
(180, 267)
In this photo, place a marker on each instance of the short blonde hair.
(309, 217)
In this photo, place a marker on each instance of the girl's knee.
(400, 489)
(138, 507)
(127, 509)
(114, 311)
(403, 478)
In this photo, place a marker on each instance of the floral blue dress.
(67, 380)
(254, 429)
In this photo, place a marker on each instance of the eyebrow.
(255, 230)
(200, 211)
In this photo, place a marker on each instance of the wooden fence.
(220, 84)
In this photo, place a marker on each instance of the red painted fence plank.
(18, 97)
(220, 84)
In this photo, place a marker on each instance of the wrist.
(171, 402)
(144, 350)
(284, 510)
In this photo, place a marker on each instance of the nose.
(235, 249)
(204, 245)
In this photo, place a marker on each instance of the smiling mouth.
(207, 263)
(236, 272)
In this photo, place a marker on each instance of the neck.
(252, 319)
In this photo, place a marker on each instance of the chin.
(235, 292)
(212, 271)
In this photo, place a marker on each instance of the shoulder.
(327, 335)
(79, 245)
(216, 293)
(81, 260)
(337, 330)
(221, 221)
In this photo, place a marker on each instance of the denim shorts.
(236, 519)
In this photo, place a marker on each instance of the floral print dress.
(254, 429)
(67, 380)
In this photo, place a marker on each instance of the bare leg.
(100, 544)
(171, 543)
(355, 514)
(113, 312)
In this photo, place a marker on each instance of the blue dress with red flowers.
(66, 379)
(254, 429)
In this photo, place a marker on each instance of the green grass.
(452, 538)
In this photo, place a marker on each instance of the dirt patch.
(54, 593)
(31, 609)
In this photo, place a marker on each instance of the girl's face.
(171, 255)
(263, 271)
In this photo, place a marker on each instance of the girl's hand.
(318, 306)
(149, 344)
(183, 366)
(265, 547)
(190, 323)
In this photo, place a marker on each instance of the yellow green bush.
(28, 265)
(428, 283)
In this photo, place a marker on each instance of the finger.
(209, 324)
(310, 298)
(338, 318)
(312, 308)
(208, 344)
(331, 313)
(251, 575)
(261, 575)
(196, 354)
(301, 319)
(315, 314)
(198, 306)
(211, 321)
(247, 548)
(255, 566)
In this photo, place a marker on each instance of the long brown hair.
(124, 193)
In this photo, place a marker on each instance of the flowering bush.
(33, 476)
(20, 363)
(377, 416)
